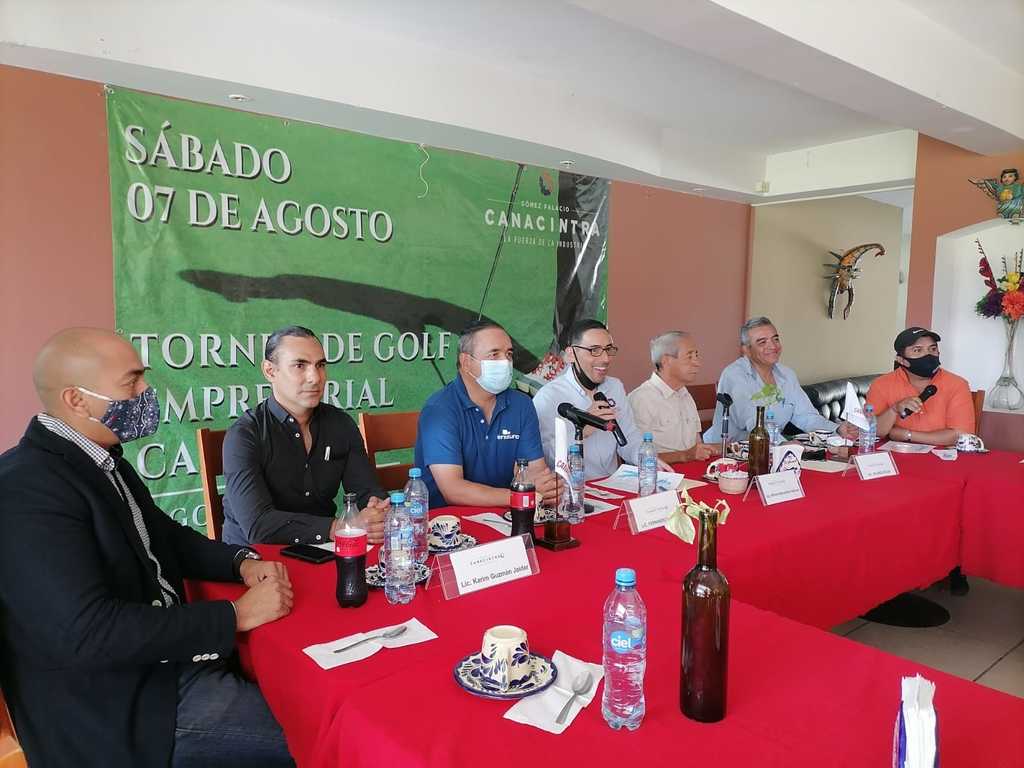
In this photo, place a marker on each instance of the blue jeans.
(224, 721)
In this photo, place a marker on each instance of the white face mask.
(495, 375)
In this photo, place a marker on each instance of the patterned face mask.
(130, 419)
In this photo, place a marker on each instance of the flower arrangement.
(679, 521)
(1005, 297)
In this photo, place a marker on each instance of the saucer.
(468, 675)
(540, 517)
(462, 541)
(375, 575)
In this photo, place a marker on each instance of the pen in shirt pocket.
(327, 453)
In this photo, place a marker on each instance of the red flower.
(1013, 304)
(985, 270)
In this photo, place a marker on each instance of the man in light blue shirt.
(758, 378)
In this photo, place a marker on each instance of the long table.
(992, 485)
(797, 696)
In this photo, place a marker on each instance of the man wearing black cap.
(938, 419)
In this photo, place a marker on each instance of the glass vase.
(1007, 395)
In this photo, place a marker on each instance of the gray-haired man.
(663, 406)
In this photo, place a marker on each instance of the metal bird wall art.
(844, 272)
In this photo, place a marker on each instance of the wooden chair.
(389, 432)
(11, 755)
(978, 397)
(211, 464)
(704, 396)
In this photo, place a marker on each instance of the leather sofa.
(829, 396)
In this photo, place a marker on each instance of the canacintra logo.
(506, 435)
(546, 183)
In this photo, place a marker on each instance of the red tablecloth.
(849, 545)
(797, 696)
(992, 534)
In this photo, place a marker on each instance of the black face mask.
(585, 381)
(925, 367)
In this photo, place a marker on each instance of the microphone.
(616, 430)
(583, 418)
(927, 392)
(724, 398)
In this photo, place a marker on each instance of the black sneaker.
(958, 584)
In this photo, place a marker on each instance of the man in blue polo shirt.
(472, 431)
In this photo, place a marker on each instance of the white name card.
(488, 565)
(648, 512)
(779, 487)
(874, 465)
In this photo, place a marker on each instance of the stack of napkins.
(915, 737)
(324, 655)
(540, 710)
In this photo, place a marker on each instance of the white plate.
(468, 674)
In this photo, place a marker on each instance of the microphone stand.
(725, 431)
(558, 531)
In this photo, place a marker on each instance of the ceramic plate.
(462, 541)
(375, 575)
(540, 517)
(468, 674)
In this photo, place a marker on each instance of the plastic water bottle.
(577, 485)
(625, 653)
(774, 434)
(867, 438)
(418, 498)
(647, 465)
(399, 555)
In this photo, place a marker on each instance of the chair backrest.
(389, 432)
(211, 464)
(11, 755)
(704, 397)
(978, 397)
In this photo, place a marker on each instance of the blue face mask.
(130, 419)
(495, 375)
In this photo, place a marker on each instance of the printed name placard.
(874, 465)
(779, 487)
(649, 512)
(486, 565)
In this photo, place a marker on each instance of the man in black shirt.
(285, 459)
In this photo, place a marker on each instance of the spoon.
(580, 686)
(391, 633)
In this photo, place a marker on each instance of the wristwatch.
(245, 553)
(910, 436)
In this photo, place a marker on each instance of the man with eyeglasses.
(664, 407)
(286, 459)
(758, 378)
(471, 433)
(589, 355)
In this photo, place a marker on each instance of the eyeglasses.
(595, 351)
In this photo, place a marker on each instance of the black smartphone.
(308, 553)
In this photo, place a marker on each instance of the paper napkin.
(540, 710)
(324, 655)
(492, 520)
(946, 454)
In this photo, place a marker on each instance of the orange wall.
(945, 201)
(677, 261)
(55, 247)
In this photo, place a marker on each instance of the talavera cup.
(444, 530)
(505, 656)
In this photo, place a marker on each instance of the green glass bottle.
(758, 458)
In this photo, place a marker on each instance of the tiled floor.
(983, 640)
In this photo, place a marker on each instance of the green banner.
(228, 225)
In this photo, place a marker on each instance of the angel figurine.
(1007, 191)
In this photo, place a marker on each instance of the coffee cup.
(444, 530)
(969, 443)
(716, 467)
(505, 657)
(740, 448)
(732, 481)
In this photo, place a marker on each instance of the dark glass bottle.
(350, 555)
(705, 652)
(758, 459)
(523, 502)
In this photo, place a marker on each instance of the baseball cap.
(911, 335)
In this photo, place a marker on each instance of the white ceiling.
(683, 94)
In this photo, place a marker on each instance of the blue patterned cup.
(505, 660)
(444, 531)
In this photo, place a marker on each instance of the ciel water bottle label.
(623, 642)
(350, 543)
(523, 500)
